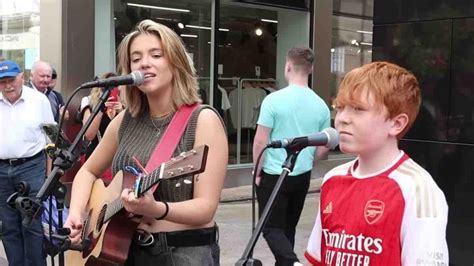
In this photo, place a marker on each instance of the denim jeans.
(23, 245)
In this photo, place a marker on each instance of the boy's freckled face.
(363, 129)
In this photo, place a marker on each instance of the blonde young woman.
(185, 233)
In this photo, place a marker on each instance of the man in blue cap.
(22, 158)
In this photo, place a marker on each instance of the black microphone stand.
(288, 165)
(32, 208)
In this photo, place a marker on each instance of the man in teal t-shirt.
(293, 111)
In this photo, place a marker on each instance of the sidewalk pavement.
(243, 193)
(235, 231)
(234, 215)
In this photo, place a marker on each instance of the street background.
(234, 218)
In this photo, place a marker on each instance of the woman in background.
(96, 130)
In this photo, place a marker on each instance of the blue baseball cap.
(9, 69)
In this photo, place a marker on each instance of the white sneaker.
(297, 263)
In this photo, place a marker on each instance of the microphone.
(328, 137)
(135, 78)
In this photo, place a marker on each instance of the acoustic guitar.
(107, 232)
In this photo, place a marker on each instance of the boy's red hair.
(392, 87)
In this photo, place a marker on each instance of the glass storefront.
(351, 38)
(19, 31)
(236, 71)
(251, 55)
(351, 43)
(190, 19)
(252, 40)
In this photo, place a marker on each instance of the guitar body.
(110, 241)
(107, 229)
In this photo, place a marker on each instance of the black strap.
(185, 238)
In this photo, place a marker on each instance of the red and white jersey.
(397, 216)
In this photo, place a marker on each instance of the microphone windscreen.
(138, 78)
(333, 137)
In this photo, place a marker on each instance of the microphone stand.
(32, 208)
(288, 165)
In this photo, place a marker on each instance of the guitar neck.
(188, 163)
(147, 183)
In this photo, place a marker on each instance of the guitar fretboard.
(164, 171)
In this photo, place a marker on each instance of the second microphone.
(328, 137)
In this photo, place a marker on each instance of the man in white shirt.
(22, 158)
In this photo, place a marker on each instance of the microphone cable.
(61, 120)
(254, 186)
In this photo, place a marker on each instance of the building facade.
(235, 45)
(240, 45)
(435, 40)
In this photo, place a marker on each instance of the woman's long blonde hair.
(185, 84)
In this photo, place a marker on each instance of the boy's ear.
(399, 124)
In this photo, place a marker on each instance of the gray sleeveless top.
(138, 136)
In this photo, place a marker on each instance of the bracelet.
(167, 209)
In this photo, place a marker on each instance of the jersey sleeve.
(423, 232)
(313, 251)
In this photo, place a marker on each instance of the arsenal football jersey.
(397, 216)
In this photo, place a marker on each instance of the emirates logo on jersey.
(373, 211)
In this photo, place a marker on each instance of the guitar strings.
(116, 205)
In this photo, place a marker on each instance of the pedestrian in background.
(41, 80)
(293, 111)
(107, 112)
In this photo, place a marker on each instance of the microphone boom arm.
(32, 208)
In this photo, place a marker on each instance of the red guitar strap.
(168, 143)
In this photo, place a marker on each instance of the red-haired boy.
(382, 208)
